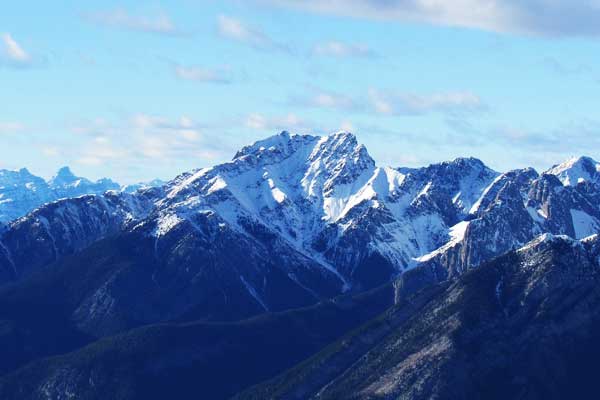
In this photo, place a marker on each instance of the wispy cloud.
(202, 74)
(12, 53)
(317, 98)
(142, 138)
(393, 103)
(234, 29)
(288, 122)
(51, 151)
(341, 50)
(101, 150)
(8, 128)
(292, 122)
(538, 17)
(13, 50)
(529, 146)
(122, 19)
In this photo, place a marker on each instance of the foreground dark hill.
(110, 288)
(193, 360)
(524, 326)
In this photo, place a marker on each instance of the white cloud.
(12, 53)
(100, 150)
(122, 19)
(202, 74)
(51, 151)
(156, 129)
(7, 128)
(393, 103)
(256, 121)
(234, 29)
(293, 123)
(323, 99)
(332, 100)
(288, 122)
(13, 50)
(347, 126)
(340, 49)
(540, 17)
(141, 138)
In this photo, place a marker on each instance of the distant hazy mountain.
(22, 192)
(142, 185)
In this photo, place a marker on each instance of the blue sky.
(136, 90)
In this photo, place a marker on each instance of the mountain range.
(397, 282)
(22, 192)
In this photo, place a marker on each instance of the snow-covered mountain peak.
(132, 188)
(337, 159)
(281, 145)
(465, 167)
(66, 178)
(24, 172)
(8, 177)
(65, 174)
(577, 170)
(285, 163)
(465, 180)
(66, 184)
(467, 162)
(342, 145)
(546, 239)
(22, 192)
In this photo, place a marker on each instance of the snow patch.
(477, 204)
(165, 224)
(183, 185)
(216, 184)
(547, 238)
(456, 233)
(424, 191)
(9, 257)
(576, 170)
(253, 293)
(537, 215)
(584, 224)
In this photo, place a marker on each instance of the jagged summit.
(22, 192)
(22, 173)
(457, 164)
(64, 176)
(467, 162)
(65, 173)
(577, 170)
(303, 165)
(282, 143)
